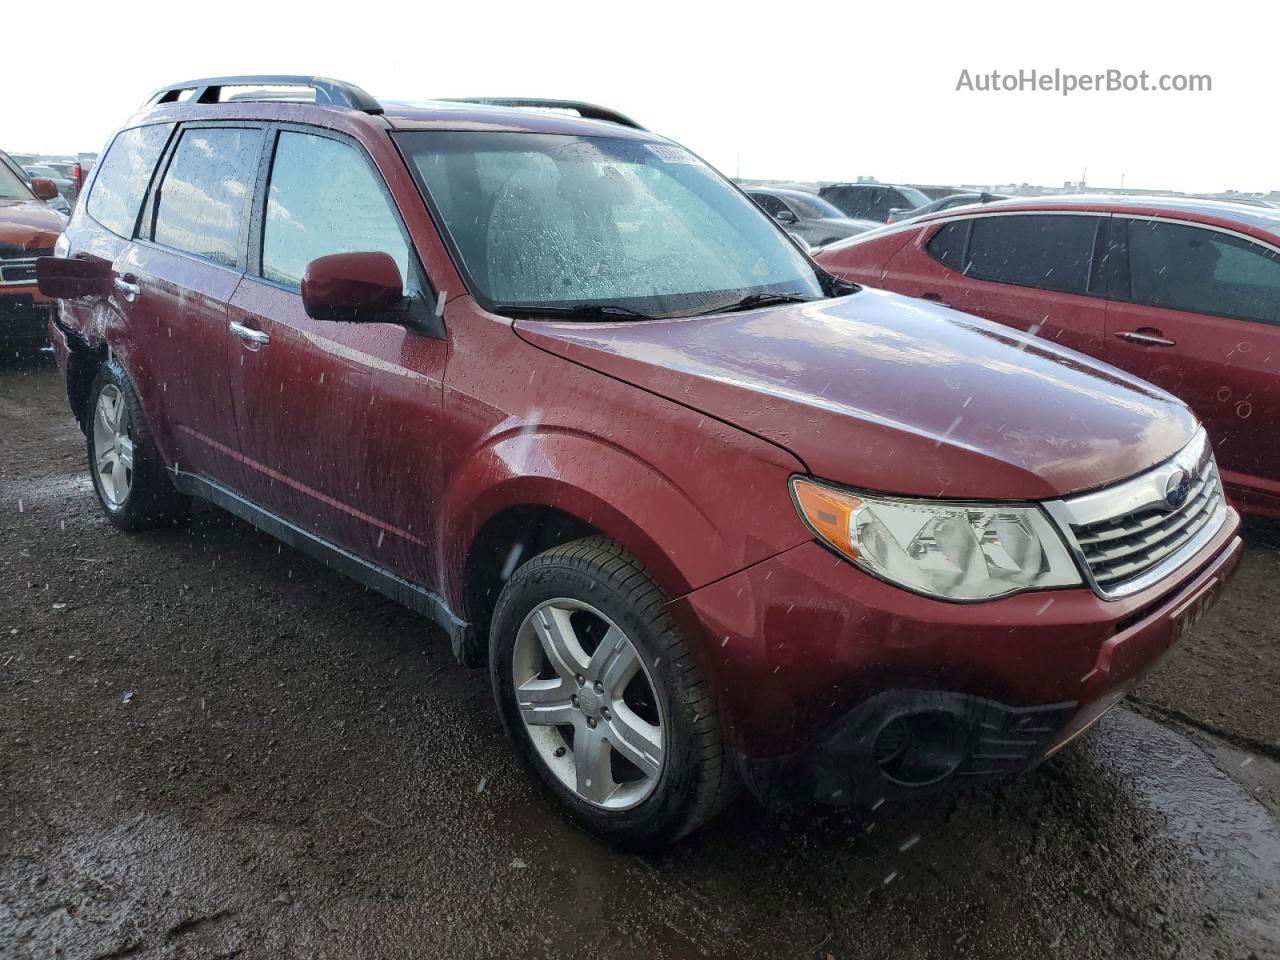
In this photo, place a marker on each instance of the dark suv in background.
(707, 514)
(872, 201)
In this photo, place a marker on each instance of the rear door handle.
(1146, 339)
(934, 298)
(249, 334)
(128, 289)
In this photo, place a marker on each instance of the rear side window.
(947, 245)
(203, 199)
(1202, 271)
(1051, 252)
(123, 175)
(325, 198)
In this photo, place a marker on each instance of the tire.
(595, 588)
(142, 496)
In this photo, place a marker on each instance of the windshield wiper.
(753, 300)
(581, 311)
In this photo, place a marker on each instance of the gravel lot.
(211, 746)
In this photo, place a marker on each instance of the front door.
(1197, 312)
(336, 419)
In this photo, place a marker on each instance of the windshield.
(814, 206)
(12, 187)
(563, 221)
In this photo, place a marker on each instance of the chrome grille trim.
(1127, 537)
(17, 273)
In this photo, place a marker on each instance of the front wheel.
(599, 692)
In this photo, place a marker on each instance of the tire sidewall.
(656, 816)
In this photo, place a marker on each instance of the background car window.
(1051, 252)
(1202, 271)
(947, 245)
(203, 198)
(123, 175)
(772, 205)
(852, 201)
(814, 207)
(13, 187)
(325, 198)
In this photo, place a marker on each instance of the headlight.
(952, 550)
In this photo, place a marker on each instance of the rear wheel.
(128, 473)
(597, 689)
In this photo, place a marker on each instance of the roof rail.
(331, 92)
(588, 111)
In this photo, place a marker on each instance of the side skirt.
(413, 596)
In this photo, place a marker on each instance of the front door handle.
(249, 334)
(1146, 339)
(934, 298)
(128, 289)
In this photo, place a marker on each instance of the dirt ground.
(212, 747)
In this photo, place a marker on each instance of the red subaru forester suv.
(708, 515)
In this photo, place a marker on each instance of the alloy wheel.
(112, 446)
(589, 703)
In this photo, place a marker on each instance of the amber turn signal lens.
(828, 513)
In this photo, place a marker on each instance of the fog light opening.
(919, 749)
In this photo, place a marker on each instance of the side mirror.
(44, 188)
(351, 287)
(786, 216)
(60, 278)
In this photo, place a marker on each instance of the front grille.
(1131, 535)
(1119, 549)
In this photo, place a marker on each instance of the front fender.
(590, 478)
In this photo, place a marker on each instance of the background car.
(28, 230)
(949, 202)
(55, 200)
(808, 216)
(1182, 292)
(872, 201)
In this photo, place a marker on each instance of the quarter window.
(1202, 271)
(1051, 252)
(204, 196)
(947, 245)
(325, 198)
(123, 175)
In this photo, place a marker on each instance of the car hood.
(887, 393)
(30, 224)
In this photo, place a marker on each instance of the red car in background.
(1183, 293)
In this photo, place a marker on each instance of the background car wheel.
(128, 473)
(598, 691)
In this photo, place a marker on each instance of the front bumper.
(815, 662)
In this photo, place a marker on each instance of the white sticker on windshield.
(670, 153)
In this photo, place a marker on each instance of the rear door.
(1030, 271)
(338, 421)
(1197, 312)
(178, 278)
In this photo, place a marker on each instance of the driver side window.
(324, 198)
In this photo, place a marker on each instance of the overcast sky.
(786, 90)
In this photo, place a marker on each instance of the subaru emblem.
(1177, 488)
